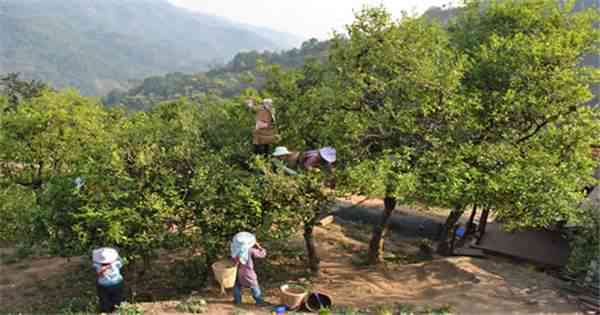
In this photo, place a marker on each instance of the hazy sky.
(307, 18)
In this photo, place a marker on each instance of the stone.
(327, 220)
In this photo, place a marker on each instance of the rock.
(389, 256)
(326, 220)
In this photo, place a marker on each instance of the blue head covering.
(241, 245)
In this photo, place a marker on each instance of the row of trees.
(76, 175)
(486, 112)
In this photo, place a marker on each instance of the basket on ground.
(225, 273)
(293, 296)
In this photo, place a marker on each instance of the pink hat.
(328, 154)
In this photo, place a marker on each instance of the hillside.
(97, 46)
(226, 81)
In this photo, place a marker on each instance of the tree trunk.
(470, 224)
(483, 223)
(313, 257)
(379, 231)
(444, 244)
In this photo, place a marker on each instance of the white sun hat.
(105, 255)
(328, 154)
(279, 151)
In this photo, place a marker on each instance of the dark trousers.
(262, 149)
(110, 297)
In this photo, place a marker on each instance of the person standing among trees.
(109, 281)
(264, 133)
(244, 248)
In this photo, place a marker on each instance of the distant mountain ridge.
(98, 45)
(219, 83)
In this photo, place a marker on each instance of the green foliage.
(293, 58)
(17, 90)
(384, 310)
(43, 141)
(489, 111)
(395, 80)
(444, 310)
(302, 196)
(18, 211)
(405, 309)
(242, 72)
(178, 163)
(129, 309)
(325, 311)
(194, 305)
(79, 305)
(586, 240)
(525, 131)
(388, 176)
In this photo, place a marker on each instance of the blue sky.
(306, 18)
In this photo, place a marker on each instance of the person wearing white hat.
(281, 152)
(109, 281)
(244, 248)
(286, 160)
(264, 133)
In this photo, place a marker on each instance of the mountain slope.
(99, 45)
(222, 82)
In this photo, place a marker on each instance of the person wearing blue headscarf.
(244, 248)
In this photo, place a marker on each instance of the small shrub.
(444, 310)
(23, 251)
(325, 311)
(405, 309)
(384, 310)
(129, 309)
(585, 243)
(194, 305)
(79, 305)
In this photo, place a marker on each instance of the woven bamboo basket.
(225, 273)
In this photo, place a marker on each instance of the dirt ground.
(406, 281)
